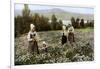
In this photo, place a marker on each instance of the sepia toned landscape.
(48, 23)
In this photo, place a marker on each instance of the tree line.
(80, 23)
(22, 23)
(42, 23)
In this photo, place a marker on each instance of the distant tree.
(26, 11)
(92, 23)
(77, 25)
(45, 23)
(53, 22)
(18, 26)
(59, 25)
(41, 22)
(37, 21)
(60, 22)
(87, 23)
(73, 21)
(22, 23)
(27, 19)
(82, 23)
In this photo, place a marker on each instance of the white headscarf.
(64, 27)
(44, 42)
(32, 26)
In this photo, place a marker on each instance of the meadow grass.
(81, 50)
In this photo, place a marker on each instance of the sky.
(82, 10)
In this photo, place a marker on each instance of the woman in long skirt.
(32, 39)
(71, 34)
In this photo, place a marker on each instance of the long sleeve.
(72, 29)
(68, 30)
(28, 37)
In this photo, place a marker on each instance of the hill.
(61, 14)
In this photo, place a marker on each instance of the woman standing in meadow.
(33, 40)
(64, 36)
(71, 33)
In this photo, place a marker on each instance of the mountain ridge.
(60, 14)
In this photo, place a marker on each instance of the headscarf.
(32, 26)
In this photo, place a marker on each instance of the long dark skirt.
(64, 39)
(71, 37)
(33, 47)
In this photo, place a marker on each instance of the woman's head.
(32, 27)
(69, 25)
(44, 43)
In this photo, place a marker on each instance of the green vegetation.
(86, 29)
(50, 32)
(22, 23)
(81, 50)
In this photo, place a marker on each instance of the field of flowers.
(81, 50)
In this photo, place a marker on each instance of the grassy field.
(81, 50)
